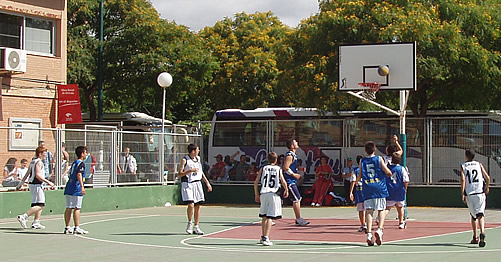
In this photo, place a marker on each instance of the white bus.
(435, 144)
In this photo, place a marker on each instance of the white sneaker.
(189, 228)
(266, 242)
(317, 204)
(80, 231)
(22, 221)
(37, 226)
(370, 241)
(402, 225)
(301, 222)
(312, 204)
(362, 229)
(273, 223)
(68, 230)
(197, 231)
(379, 236)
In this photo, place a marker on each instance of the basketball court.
(157, 234)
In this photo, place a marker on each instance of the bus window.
(240, 134)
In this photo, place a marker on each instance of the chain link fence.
(107, 163)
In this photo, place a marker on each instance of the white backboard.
(360, 63)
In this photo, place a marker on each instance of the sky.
(196, 14)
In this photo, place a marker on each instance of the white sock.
(25, 215)
(36, 221)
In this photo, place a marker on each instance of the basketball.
(383, 70)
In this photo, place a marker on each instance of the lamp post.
(164, 80)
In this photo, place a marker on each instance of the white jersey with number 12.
(474, 179)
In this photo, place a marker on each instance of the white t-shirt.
(474, 179)
(10, 178)
(21, 172)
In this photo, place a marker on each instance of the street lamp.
(164, 80)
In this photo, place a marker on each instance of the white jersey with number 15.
(270, 179)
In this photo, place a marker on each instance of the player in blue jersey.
(372, 173)
(397, 188)
(357, 196)
(271, 179)
(74, 192)
(291, 176)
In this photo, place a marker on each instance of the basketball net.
(370, 90)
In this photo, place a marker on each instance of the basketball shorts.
(74, 202)
(37, 195)
(360, 206)
(476, 204)
(294, 194)
(391, 203)
(375, 204)
(192, 192)
(271, 206)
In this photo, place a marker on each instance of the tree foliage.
(138, 45)
(457, 41)
(253, 60)
(247, 49)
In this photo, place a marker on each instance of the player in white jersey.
(270, 177)
(390, 149)
(473, 178)
(191, 175)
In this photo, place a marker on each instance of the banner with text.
(68, 104)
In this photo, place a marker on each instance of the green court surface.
(232, 232)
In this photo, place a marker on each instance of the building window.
(31, 34)
(39, 35)
(10, 30)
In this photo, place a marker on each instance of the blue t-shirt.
(395, 184)
(373, 178)
(358, 194)
(293, 167)
(73, 187)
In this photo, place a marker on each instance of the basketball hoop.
(370, 90)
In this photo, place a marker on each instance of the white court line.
(61, 217)
(187, 246)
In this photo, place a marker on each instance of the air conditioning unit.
(12, 59)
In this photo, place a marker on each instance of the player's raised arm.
(400, 150)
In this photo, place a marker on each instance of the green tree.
(247, 49)
(138, 46)
(458, 50)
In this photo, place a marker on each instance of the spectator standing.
(323, 182)
(241, 169)
(48, 163)
(128, 163)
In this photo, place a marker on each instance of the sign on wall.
(25, 134)
(69, 110)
